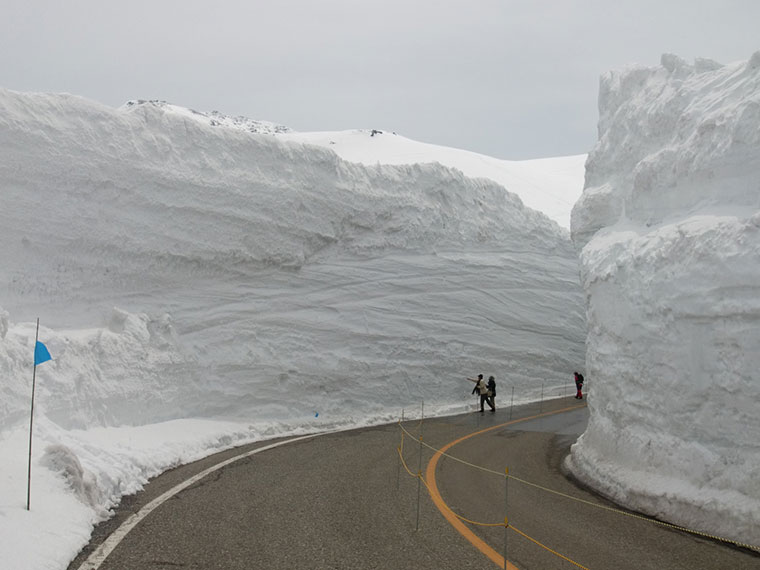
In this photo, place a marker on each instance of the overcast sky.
(505, 78)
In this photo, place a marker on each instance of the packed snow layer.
(217, 286)
(669, 223)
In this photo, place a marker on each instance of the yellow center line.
(446, 511)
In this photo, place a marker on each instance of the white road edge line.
(97, 558)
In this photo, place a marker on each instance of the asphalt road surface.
(345, 501)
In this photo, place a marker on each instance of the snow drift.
(188, 269)
(669, 223)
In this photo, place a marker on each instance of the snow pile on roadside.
(669, 223)
(201, 286)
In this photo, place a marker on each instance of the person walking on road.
(578, 385)
(482, 389)
(491, 393)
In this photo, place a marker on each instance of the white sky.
(505, 78)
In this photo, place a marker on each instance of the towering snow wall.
(191, 270)
(669, 225)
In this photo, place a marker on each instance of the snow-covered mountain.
(669, 223)
(201, 284)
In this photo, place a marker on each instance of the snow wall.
(669, 225)
(184, 270)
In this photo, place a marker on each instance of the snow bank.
(201, 285)
(282, 271)
(669, 223)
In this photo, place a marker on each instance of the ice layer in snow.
(201, 285)
(669, 225)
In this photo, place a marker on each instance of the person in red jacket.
(578, 385)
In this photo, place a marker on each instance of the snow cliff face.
(254, 278)
(669, 225)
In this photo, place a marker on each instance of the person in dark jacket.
(491, 393)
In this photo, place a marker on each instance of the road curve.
(344, 501)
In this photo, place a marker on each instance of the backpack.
(580, 378)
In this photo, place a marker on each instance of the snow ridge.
(550, 186)
(213, 118)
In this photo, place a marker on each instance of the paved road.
(340, 501)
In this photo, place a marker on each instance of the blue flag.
(41, 353)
